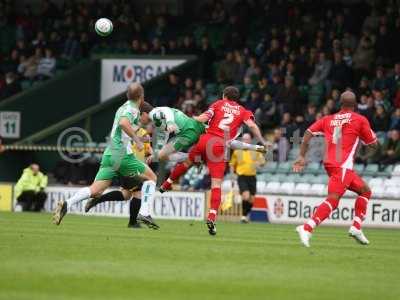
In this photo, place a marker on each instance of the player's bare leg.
(95, 190)
(322, 212)
(176, 173)
(147, 192)
(360, 208)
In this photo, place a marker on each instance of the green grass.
(99, 258)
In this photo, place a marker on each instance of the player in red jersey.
(225, 117)
(342, 132)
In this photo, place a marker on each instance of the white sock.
(178, 157)
(80, 195)
(242, 146)
(148, 190)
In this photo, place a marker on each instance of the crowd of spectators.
(290, 59)
(40, 40)
(293, 72)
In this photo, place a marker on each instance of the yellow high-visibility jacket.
(30, 182)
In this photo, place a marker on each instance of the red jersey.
(342, 132)
(226, 118)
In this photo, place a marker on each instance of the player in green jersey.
(168, 121)
(118, 159)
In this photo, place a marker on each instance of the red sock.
(177, 172)
(215, 202)
(323, 211)
(360, 208)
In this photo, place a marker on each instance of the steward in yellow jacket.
(29, 189)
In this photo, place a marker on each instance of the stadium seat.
(293, 153)
(270, 167)
(290, 177)
(323, 179)
(392, 182)
(284, 167)
(312, 168)
(376, 182)
(319, 189)
(387, 171)
(371, 170)
(279, 177)
(287, 188)
(359, 168)
(309, 178)
(392, 192)
(272, 187)
(379, 192)
(267, 177)
(303, 188)
(303, 178)
(396, 171)
(261, 186)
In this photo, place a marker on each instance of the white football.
(103, 27)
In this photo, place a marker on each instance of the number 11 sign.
(10, 124)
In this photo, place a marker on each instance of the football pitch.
(100, 258)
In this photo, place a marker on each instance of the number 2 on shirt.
(226, 121)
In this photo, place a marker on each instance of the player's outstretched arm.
(203, 118)
(300, 162)
(255, 130)
(131, 132)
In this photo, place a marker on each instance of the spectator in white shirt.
(47, 65)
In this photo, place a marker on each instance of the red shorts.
(341, 179)
(211, 150)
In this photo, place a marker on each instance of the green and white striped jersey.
(120, 142)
